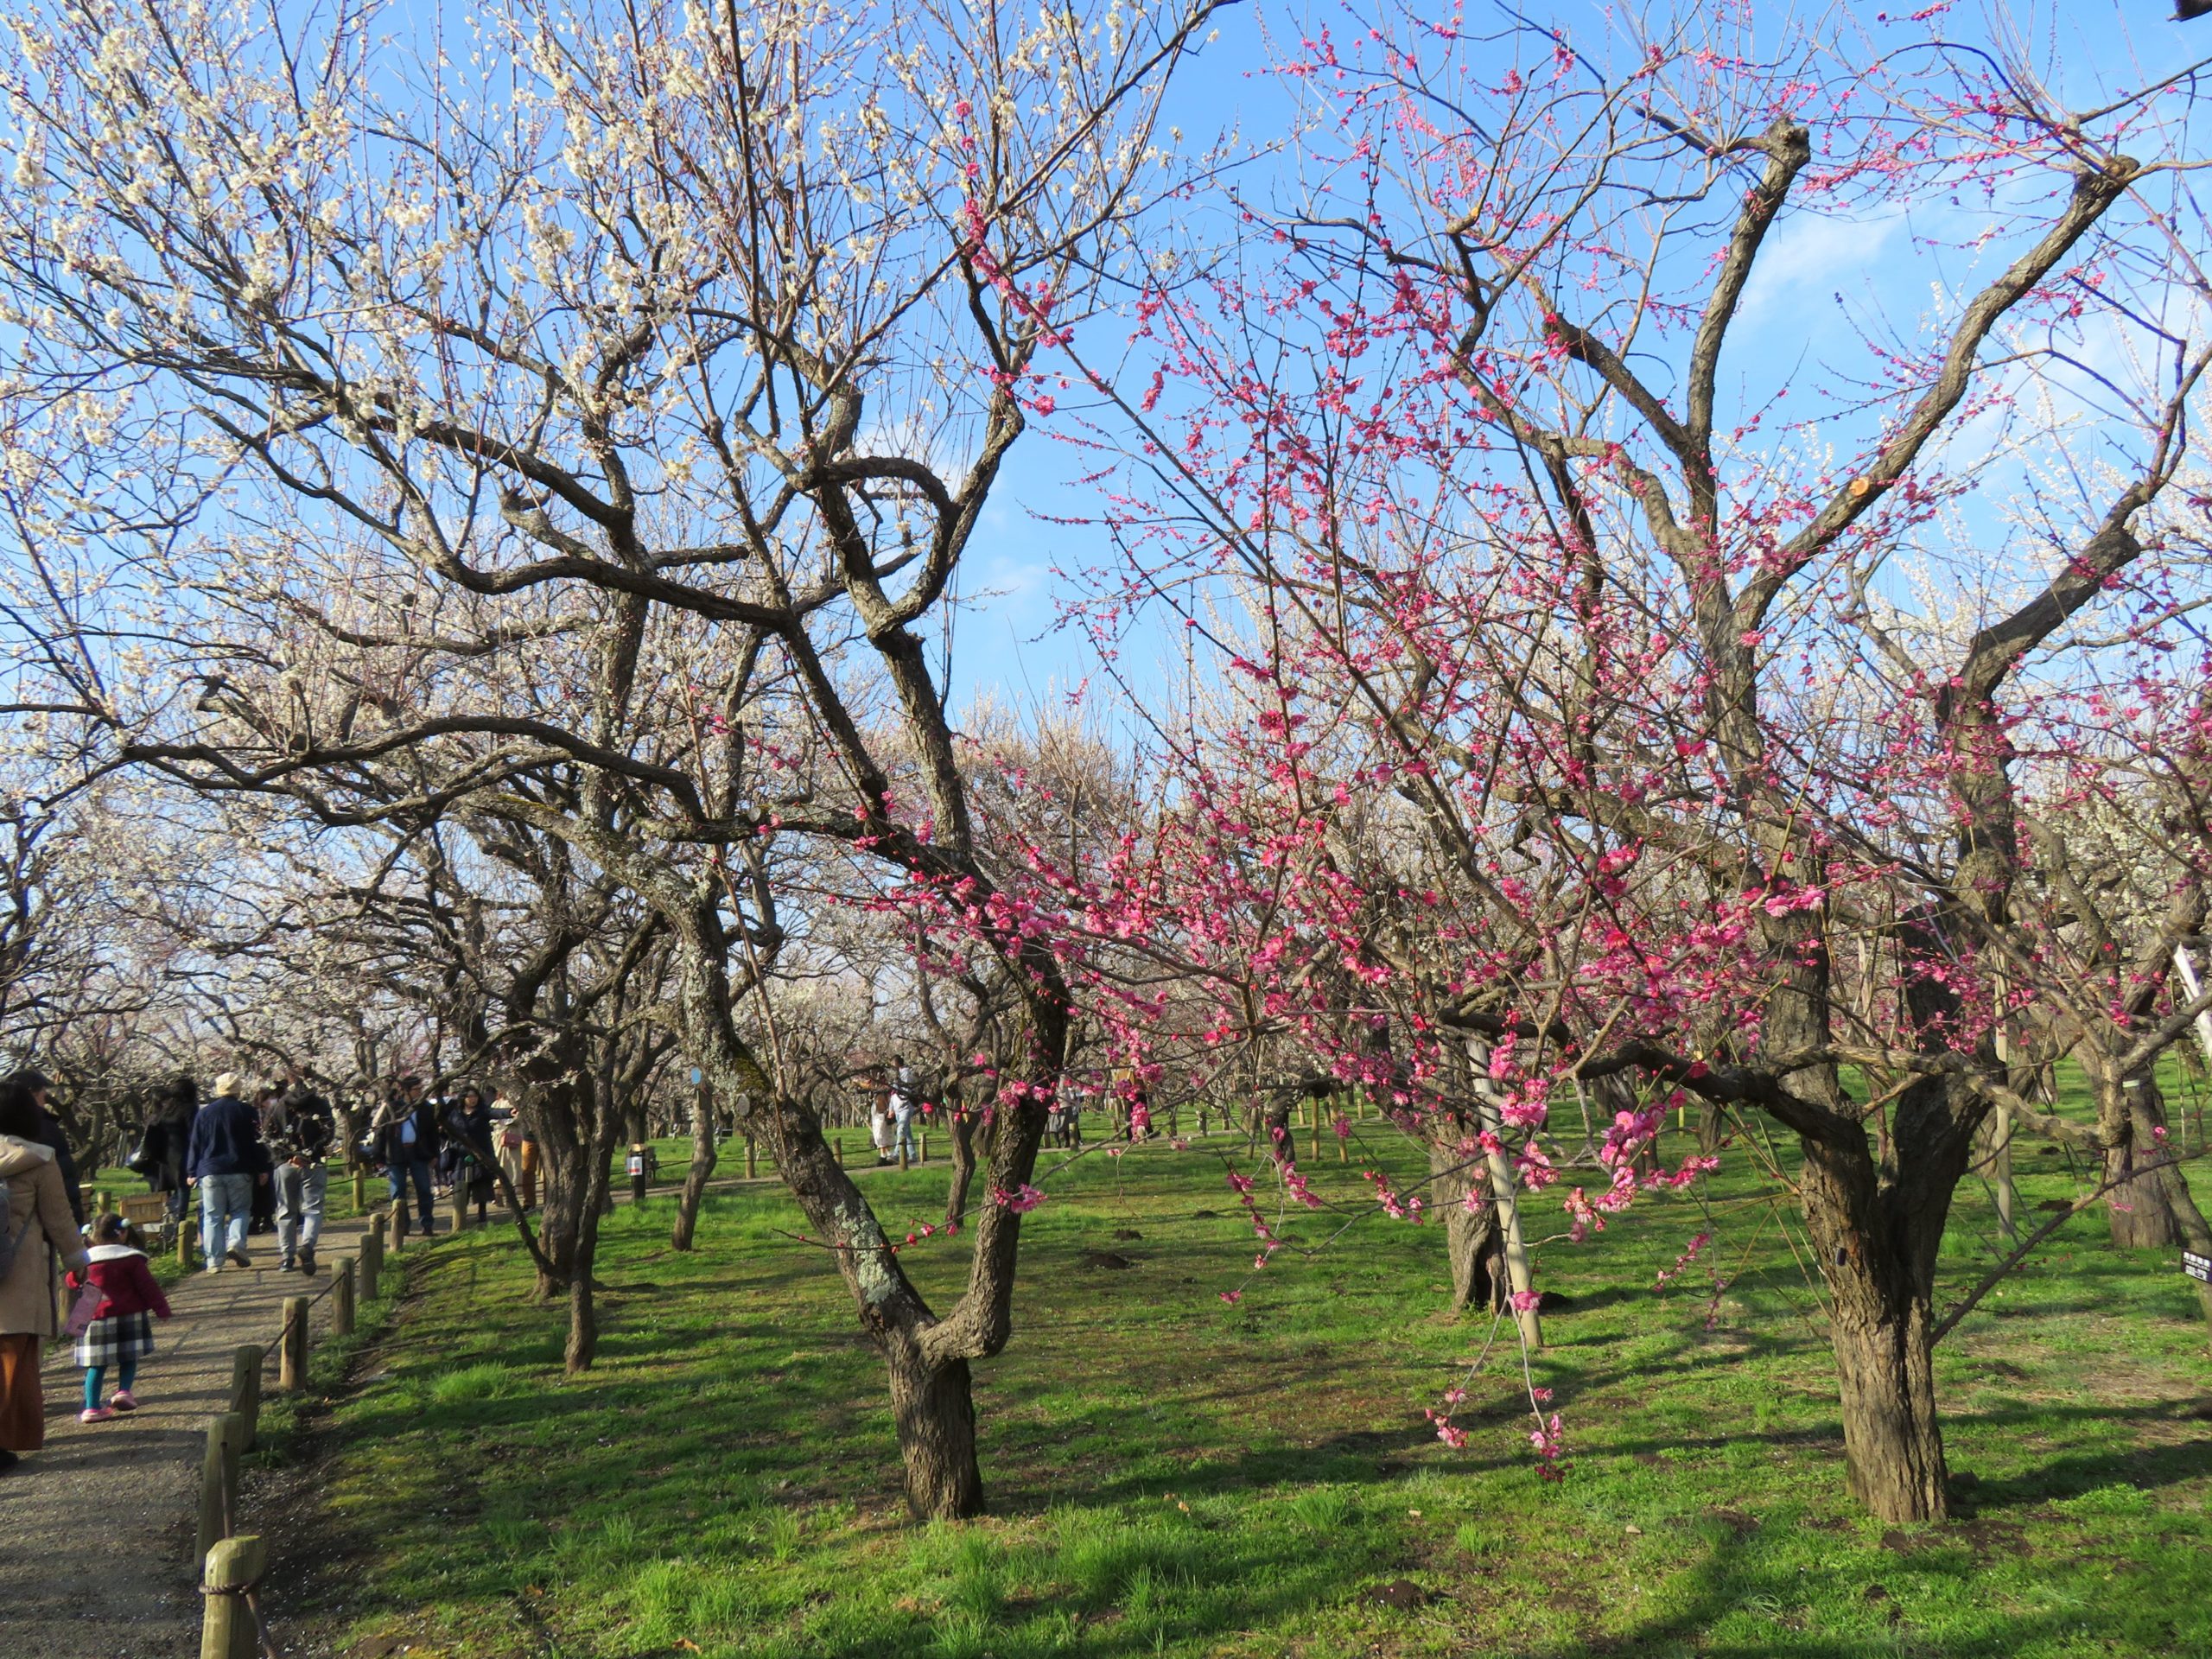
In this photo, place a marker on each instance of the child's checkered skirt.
(120, 1335)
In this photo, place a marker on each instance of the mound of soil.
(1401, 1593)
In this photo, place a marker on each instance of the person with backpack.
(298, 1129)
(263, 1217)
(35, 1228)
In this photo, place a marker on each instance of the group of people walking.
(42, 1228)
(42, 1208)
(257, 1157)
(248, 1152)
(241, 1138)
(432, 1146)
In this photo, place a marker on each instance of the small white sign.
(2196, 1266)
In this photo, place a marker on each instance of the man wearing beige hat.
(224, 1159)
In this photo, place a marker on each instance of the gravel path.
(94, 1529)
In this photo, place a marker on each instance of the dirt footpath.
(94, 1529)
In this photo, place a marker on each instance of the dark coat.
(169, 1136)
(388, 1147)
(471, 1133)
(51, 1135)
(226, 1141)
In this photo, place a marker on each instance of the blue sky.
(1818, 282)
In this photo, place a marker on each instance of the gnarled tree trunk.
(927, 1360)
(1877, 1243)
(1474, 1244)
(564, 1189)
(606, 1125)
(582, 1345)
(1892, 1440)
(934, 1409)
(2143, 1210)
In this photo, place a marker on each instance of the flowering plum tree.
(1624, 690)
(703, 335)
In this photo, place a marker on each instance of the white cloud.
(1806, 259)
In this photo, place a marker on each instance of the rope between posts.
(246, 1593)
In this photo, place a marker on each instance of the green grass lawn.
(1170, 1474)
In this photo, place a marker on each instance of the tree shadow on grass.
(1025, 1483)
(1749, 1595)
(2143, 1467)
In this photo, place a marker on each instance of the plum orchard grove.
(1626, 639)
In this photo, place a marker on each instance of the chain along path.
(95, 1529)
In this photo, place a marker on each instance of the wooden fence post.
(218, 1486)
(246, 1393)
(752, 1159)
(341, 1299)
(460, 1201)
(397, 1215)
(361, 1192)
(184, 1236)
(921, 1146)
(371, 1260)
(292, 1346)
(232, 1567)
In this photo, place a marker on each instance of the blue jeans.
(904, 1141)
(395, 1176)
(225, 1208)
(299, 1207)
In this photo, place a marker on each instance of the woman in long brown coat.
(39, 1221)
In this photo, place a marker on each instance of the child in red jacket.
(122, 1330)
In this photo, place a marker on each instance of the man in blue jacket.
(225, 1158)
